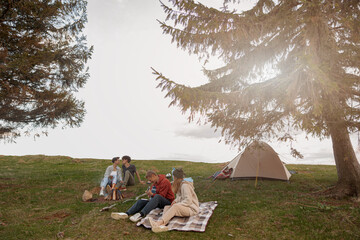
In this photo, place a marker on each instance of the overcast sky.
(126, 113)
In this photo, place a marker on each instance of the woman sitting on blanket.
(186, 203)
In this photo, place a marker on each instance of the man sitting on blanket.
(186, 203)
(163, 197)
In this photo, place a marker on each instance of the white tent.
(258, 160)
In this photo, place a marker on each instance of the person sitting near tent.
(129, 171)
(161, 198)
(225, 173)
(112, 176)
(186, 203)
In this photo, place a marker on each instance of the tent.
(258, 160)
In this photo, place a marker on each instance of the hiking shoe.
(119, 215)
(101, 192)
(161, 228)
(136, 217)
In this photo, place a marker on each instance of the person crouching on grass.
(161, 198)
(186, 203)
(112, 176)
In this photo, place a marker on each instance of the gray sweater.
(110, 168)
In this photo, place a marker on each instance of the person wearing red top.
(160, 198)
(162, 185)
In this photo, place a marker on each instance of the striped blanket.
(195, 223)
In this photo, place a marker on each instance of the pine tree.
(42, 63)
(289, 65)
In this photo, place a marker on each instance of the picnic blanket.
(195, 223)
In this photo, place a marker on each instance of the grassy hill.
(40, 196)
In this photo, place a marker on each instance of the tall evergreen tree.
(42, 63)
(310, 48)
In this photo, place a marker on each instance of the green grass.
(40, 196)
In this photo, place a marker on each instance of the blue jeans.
(108, 181)
(145, 206)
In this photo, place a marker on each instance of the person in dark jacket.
(161, 198)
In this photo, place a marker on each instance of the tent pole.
(257, 170)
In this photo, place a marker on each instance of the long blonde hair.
(176, 185)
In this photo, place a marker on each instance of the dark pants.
(145, 206)
(129, 179)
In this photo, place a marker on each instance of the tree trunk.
(347, 165)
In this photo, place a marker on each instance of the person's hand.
(149, 193)
(142, 182)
